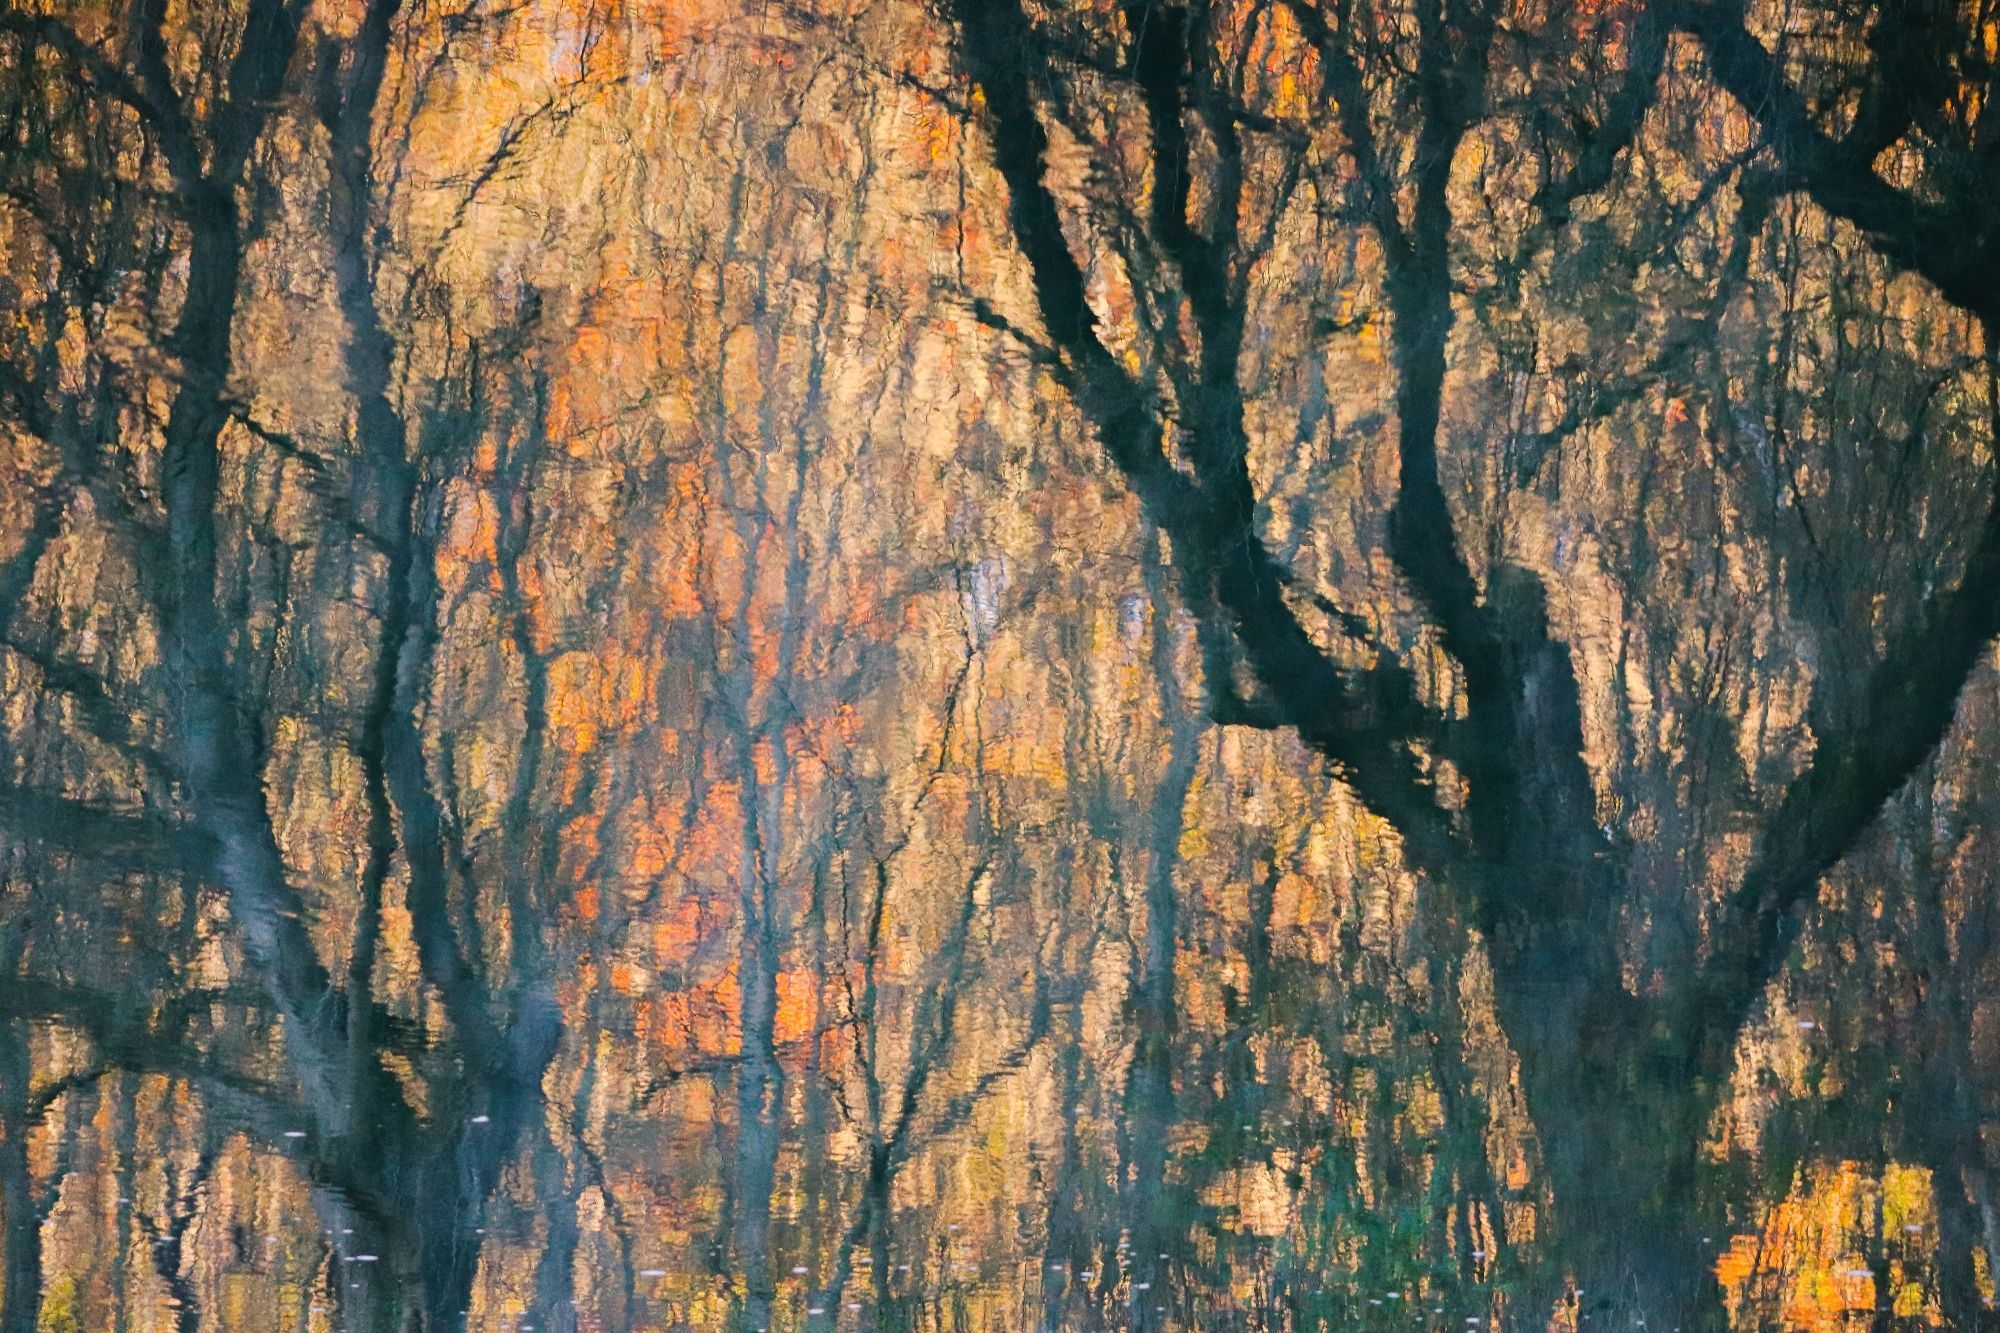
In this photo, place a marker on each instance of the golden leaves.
(1807, 1268)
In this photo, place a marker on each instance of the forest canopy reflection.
(983, 664)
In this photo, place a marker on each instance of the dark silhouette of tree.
(1177, 107)
(992, 663)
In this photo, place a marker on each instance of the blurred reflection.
(994, 666)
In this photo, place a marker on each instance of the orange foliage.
(798, 1004)
(676, 933)
(1807, 1266)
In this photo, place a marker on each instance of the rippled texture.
(986, 664)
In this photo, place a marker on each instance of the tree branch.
(1950, 243)
(144, 843)
(1210, 520)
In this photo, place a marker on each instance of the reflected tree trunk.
(1155, 1215)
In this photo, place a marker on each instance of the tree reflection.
(996, 665)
